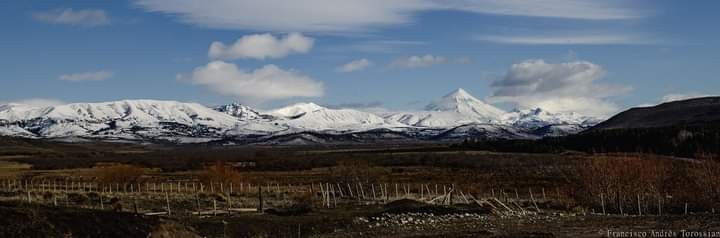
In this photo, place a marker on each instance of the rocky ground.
(407, 219)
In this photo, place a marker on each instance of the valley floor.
(41, 221)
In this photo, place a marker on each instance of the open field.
(412, 191)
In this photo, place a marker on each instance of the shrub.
(221, 172)
(654, 181)
(119, 173)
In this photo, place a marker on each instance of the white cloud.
(267, 83)
(68, 16)
(418, 61)
(261, 46)
(87, 76)
(563, 87)
(36, 102)
(464, 60)
(354, 65)
(682, 96)
(363, 15)
(384, 46)
(574, 9)
(567, 39)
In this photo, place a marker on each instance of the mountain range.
(455, 116)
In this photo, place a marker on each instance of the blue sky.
(594, 57)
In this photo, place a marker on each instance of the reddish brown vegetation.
(221, 172)
(119, 174)
(624, 183)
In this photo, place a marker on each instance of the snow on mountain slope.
(463, 103)
(483, 131)
(454, 109)
(313, 117)
(295, 110)
(15, 131)
(242, 112)
(559, 130)
(437, 119)
(80, 119)
(536, 118)
(129, 112)
(453, 116)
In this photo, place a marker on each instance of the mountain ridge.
(188, 122)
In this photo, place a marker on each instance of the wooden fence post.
(167, 202)
(638, 205)
(333, 195)
(260, 200)
(214, 206)
(135, 205)
(602, 202)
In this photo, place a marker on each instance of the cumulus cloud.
(362, 15)
(68, 16)
(267, 83)
(562, 87)
(354, 65)
(87, 76)
(418, 61)
(261, 46)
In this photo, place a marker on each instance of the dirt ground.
(393, 220)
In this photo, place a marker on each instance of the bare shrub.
(706, 178)
(119, 173)
(353, 171)
(648, 184)
(221, 172)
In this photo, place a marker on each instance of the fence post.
(602, 202)
(333, 195)
(135, 206)
(167, 202)
(638, 204)
(260, 200)
(197, 202)
(214, 207)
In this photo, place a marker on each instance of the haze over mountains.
(456, 115)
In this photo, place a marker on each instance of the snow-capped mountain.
(311, 116)
(460, 101)
(143, 117)
(452, 117)
(240, 111)
(537, 118)
(454, 109)
(295, 110)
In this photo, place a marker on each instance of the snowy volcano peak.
(240, 111)
(462, 102)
